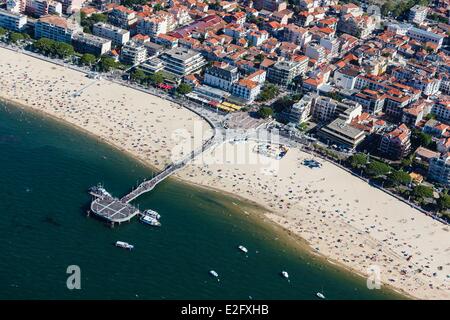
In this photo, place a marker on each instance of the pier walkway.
(116, 210)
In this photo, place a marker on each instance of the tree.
(443, 202)
(376, 169)
(15, 37)
(44, 45)
(138, 75)
(88, 59)
(421, 192)
(268, 92)
(156, 78)
(357, 160)
(63, 50)
(421, 139)
(184, 88)
(400, 177)
(3, 32)
(265, 112)
(282, 104)
(157, 7)
(107, 64)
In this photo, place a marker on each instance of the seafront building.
(117, 35)
(182, 61)
(284, 72)
(133, 53)
(88, 43)
(439, 169)
(56, 28)
(12, 20)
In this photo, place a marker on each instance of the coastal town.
(359, 92)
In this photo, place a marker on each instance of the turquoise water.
(46, 168)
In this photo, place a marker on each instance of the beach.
(339, 215)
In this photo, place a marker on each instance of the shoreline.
(269, 214)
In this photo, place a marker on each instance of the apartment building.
(88, 43)
(221, 75)
(118, 36)
(439, 169)
(56, 28)
(152, 26)
(284, 72)
(133, 53)
(122, 17)
(182, 61)
(12, 20)
(417, 14)
(396, 144)
(300, 111)
(441, 109)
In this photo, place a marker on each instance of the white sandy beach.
(339, 215)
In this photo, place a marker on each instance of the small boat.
(285, 274)
(243, 249)
(152, 213)
(99, 191)
(214, 274)
(150, 221)
(125, 245)
(320, 295)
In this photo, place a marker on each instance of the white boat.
(214, 274)
(150, 221)
(99, 191)
(125, 245)
(320, 295)
(152, 213)
(285, 274)
(243, 249)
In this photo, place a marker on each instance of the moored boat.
(124, 245)
(150, 221)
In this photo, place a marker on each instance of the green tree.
(184, 88)
(376, 169)
(157, 7)
(3, 32)
(421, 192)
(15, 37)
(44, 45)
(88, 59)
(400, 177)
(62, 49)
(443, 202)
(156, 78)
(265, 112)
(268, 92)
(282, 104)
(357, 160)
(138, 75)
(107, 64)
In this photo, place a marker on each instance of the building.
(439, 169)
(246, 89)
(357, 26)
(56, 28)
(88, 43)
(300, 111)
(416, 33)
(284, 72)
(417, 14)
(221, 75)
(396, 144)
(102, 4)
(12, 20)
(182, 61)
(122, 17)
(152, 26)
(16, 6)
(345, 78)
(342, 132)
(117, 35)
(442, 110)
(39, 8)
(371, 101)
(326, 109)
(133, 53)
(71, 6)
(316, 52)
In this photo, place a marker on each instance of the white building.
(133, 53)
(182, 61)
(417, 14)
(41, 8)
(17, 6)
(56, 28)
(416, 33)
(117, 35)
(246, 89)
(346, 78)
(439, 169)
(221, 75)
(12, 20)
(315, 51)
(152, 26)
(300, 111)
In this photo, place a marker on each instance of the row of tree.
(54, 48)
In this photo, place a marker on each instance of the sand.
(339, 215)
